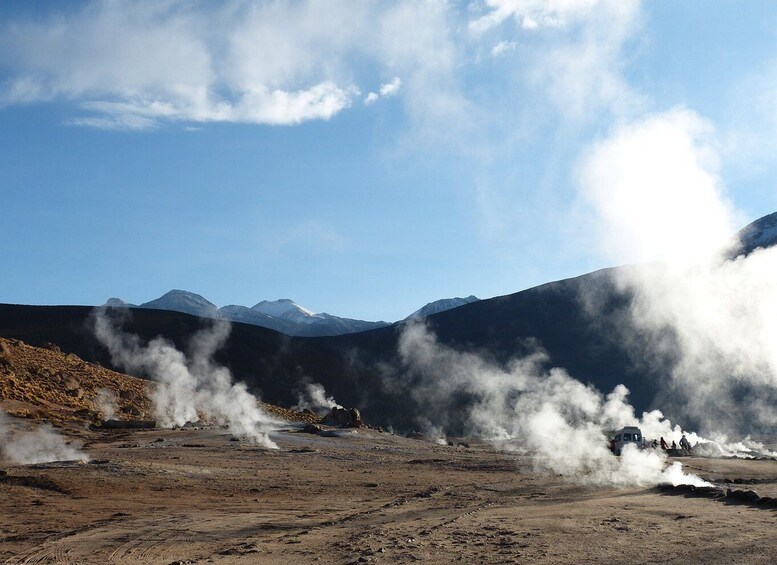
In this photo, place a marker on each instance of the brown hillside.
(44, 382)
(40, 382)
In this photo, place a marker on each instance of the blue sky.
(366, 158)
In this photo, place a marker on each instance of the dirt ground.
(197, 496)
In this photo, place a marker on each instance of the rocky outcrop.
(730, 496)
(344, 417)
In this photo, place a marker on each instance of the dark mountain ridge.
(579, 322)
(354, 367)
(760, 233)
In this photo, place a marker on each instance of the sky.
(365, 158)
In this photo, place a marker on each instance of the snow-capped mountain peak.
(285, 309)
(282, 315)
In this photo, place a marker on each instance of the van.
(629, 434)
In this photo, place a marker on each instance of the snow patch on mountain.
(284, 315)
(287, 310)
(245, 315)
(441, 306)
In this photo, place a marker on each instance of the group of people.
(685, 445)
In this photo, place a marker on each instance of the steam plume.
(189, 385)
(654, 187)
(314, 398)
(106, 403)
(556, 420)
(40, 446)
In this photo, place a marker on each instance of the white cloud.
(533, 14)
(321, 101)
(132, 66)
(750, 122)
(655, 189)
(503, 47)
(387, 89)
(391, 88)
(574, 50)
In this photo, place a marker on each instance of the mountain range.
(284, 315)
(364, 369)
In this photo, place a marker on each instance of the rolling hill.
(583, 336)
(354, 367)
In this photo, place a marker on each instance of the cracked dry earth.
(198, 497)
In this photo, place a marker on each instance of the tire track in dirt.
(145, 540)
(154, 540)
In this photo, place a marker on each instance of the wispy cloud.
(503, 47)
(128, 65)
(390, 88)
(133, 66)
(139, 66)
(574, 50)
(387, 89)
(534, 14)
(260, 106)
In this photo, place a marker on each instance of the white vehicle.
(629, 434)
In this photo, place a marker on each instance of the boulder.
(73, 388)
(311, 429)
(72, 385)
(749, 496)
(346, 417)
(4, 349)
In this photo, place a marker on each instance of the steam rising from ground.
(314, 398)
(717, 320)
(655, 189)
(656, 194)
(40, 446)
(189, 385)
(106, 403)
(558, 421)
